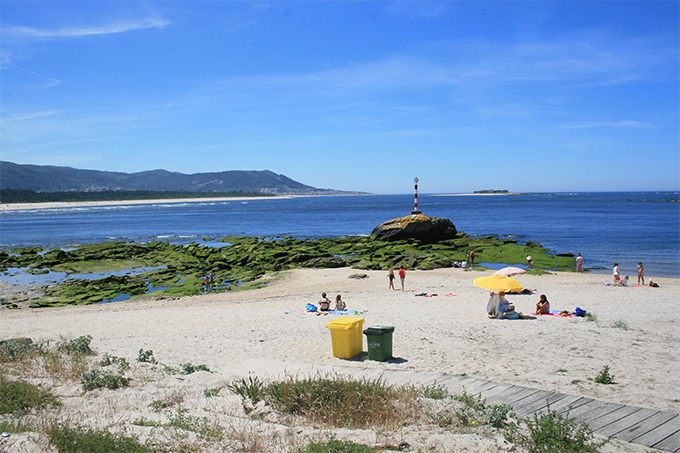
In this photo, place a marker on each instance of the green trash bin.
(379, 339)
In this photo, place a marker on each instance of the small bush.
(18, 397)
(435, 392)
(604, 377)
(336, 446)
(198, 425)
(188, 368)
(146, 356)
(68, 439)
(251, 391)
(122, 364)
(476, 411)
(77, 346)
(340, 402)
(96, 379)
(209, 393)
(552, 432)
(15, 349)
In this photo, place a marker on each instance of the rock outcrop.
(415, 226)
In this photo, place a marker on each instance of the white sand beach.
(634, 330)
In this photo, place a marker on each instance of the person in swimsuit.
(390, 275)
(543, 306)
(641, 274)
(579, 263)
(324, 303)
(339, 304)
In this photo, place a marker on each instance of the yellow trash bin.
(346, 336)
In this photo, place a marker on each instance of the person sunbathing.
(543, 306)
(324, 303)
(339, 304)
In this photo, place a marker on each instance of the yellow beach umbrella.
(499, 283)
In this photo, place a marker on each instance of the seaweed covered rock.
(416, 226)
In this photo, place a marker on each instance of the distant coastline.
(6, 207)
(476, 193)
(76, 204)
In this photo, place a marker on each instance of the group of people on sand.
(325, 303)
(501, 308)
(640, 268)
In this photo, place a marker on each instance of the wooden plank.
(670, 443)
(536, 406)
(582, 408)
(570, 402)
(472, 386)
(541, 395)
(606, 414)
(659, 433)
(500, 388)
(626, 422)
(646, 426)
(512, 396)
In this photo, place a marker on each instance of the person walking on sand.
(390, 275)
(641, 273)
(402, 276)
(615, 271)
(579, 263)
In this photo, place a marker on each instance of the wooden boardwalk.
(649, 427)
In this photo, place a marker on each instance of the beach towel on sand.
(557, 314)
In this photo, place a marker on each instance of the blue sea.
(623, 227)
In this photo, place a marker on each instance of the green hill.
(40, 178)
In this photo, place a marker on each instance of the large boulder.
(415, 226)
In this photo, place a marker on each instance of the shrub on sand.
(551, 432)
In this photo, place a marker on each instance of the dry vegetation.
(66, 397)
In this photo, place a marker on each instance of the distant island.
(491, 191)
(42, 183)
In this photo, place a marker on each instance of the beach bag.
(311, 308)
(580, 311)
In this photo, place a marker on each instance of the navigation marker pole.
(415, 201)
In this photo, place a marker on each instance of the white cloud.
(71, 32)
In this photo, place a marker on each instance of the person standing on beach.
(615, 271)
(390, 275)
(402, 276)
(530, 262)
(641, 273)
(579, 263)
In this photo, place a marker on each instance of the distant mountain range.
(40, 178)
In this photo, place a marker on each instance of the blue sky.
(359, 95)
